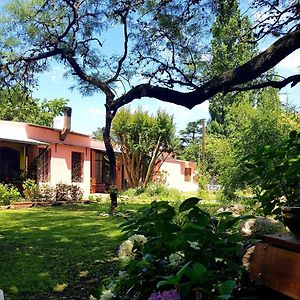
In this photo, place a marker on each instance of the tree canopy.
(164, 47)
(15, 105)
(164, 40)
(143, 139)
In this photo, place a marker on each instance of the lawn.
(56, 252)
(59, 252)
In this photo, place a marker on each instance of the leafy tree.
(73, 33)
(98, 134)
(190, 141)
(143, 139)
(17, 106)
(251, 128)
(228, 51)
(273, 172)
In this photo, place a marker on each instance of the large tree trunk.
(111, 157)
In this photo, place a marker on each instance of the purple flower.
(165, 295)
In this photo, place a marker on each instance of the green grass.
(68, 249)
(42, 248)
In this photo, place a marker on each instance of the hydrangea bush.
(177, 254)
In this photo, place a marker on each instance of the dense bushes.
(8, 194)
(43, 193)
(274, 174)
(154, 190)
(181, 252)
(61, 192)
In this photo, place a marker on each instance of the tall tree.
(229, 50)
(73, 33)
(17, 105)
(143, 139)
(251, 127)
(98, 134)
(190, 141)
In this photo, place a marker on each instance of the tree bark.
(111, 155)
(152, 163)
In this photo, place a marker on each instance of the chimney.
(67, 123)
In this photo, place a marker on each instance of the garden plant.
(182, 253)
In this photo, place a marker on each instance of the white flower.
(194, 245)
(92, 297)
(138, 238)
(107, 295)
(176, 258)
(125, 249)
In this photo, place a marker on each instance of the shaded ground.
(56, 248)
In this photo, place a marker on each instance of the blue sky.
(88, 112)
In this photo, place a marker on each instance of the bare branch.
(122, 59)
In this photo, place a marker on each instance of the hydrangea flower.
(165, 295)
(138, 238)
(125, 249)
(107, 295)
(176, 258)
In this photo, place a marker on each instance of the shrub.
(68, 192)
(30, 189)
(180, 251)
(154, 190)
(46, 193)
(8, 194)
(273, 172)
(161, 191)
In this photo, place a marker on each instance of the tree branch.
(122, 59)
(294, 79)
(228, 81)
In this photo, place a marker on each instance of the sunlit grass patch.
(52, 250)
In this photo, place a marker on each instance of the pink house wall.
(61, 162)
(175, 175)
(61, 154)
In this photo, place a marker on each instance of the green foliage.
(190, 142)
(228, 51)
(266, 125)
(154, 191)
(182, 248)
(143, 138)
(30, 189)
(274, 174)
(67, 192)
(17, 105)
(8, 194)
(98, 134)
(248, 127)
(46, 193)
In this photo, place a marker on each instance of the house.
(54, 156)
(179, 174)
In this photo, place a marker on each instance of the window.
(43, 170)
(77, 167)
(187, 174)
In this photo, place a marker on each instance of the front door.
(9, 164)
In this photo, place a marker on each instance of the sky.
(88, 112)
